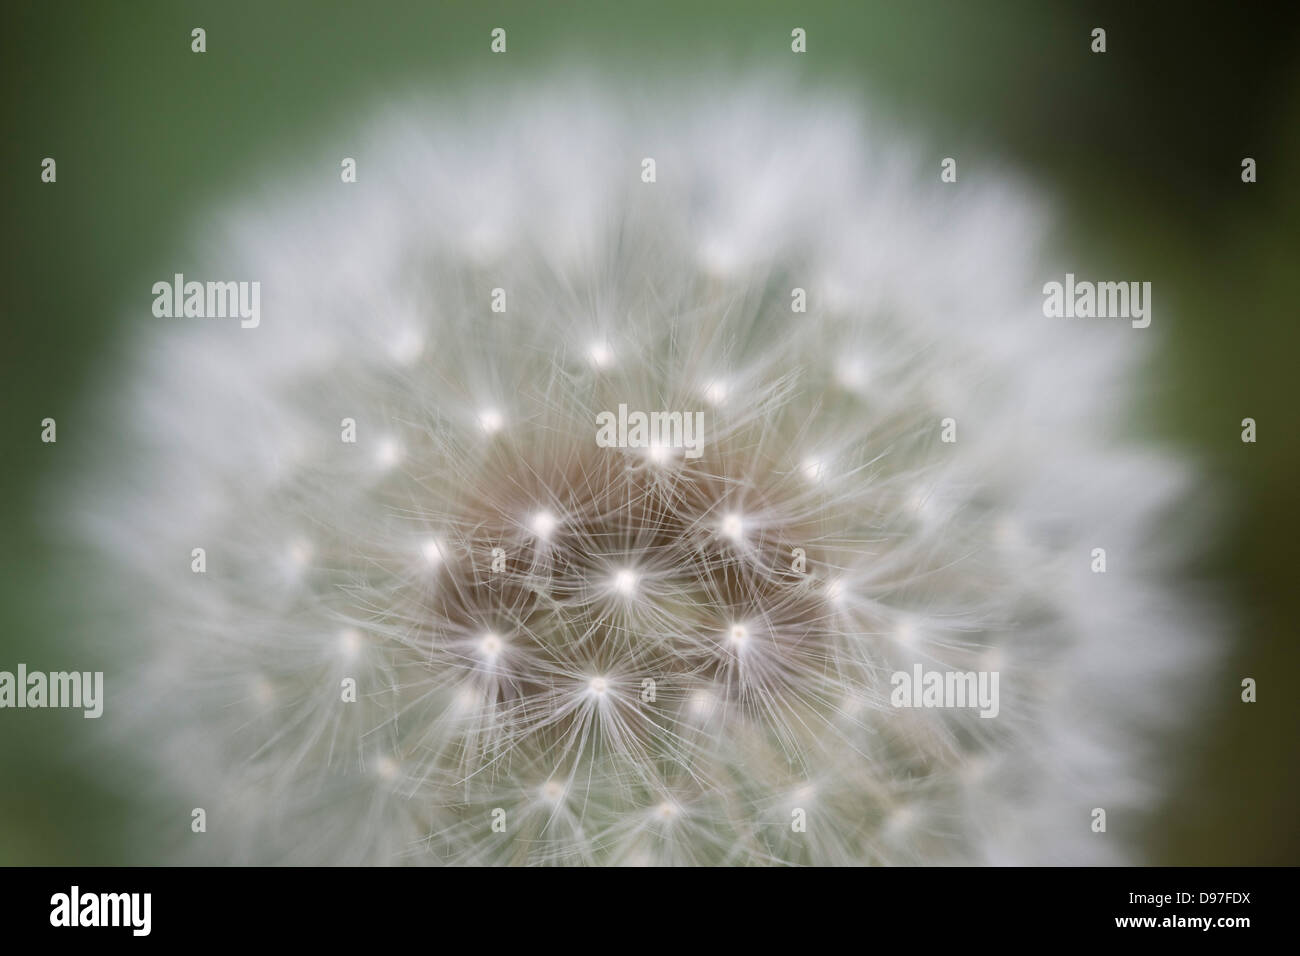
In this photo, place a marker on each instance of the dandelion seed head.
(543, 523)
(650, 651)
(600, 355)
(732, 526)
(851, 373)
(814, 468)
(466, 700)
(349, 643)
(433, 551)
(658, 453)
(552, 791)
(263, 691)
(837, 593)
(388, 453)
(625, 582)
(715, 391)
(406, 347)
(490, 646)
(703, 703)
(905, 630)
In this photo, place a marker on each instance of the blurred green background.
(1141, 146)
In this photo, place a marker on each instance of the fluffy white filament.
(618, 648)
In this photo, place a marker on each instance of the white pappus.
(569, 653)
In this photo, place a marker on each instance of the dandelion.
(680, 660)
